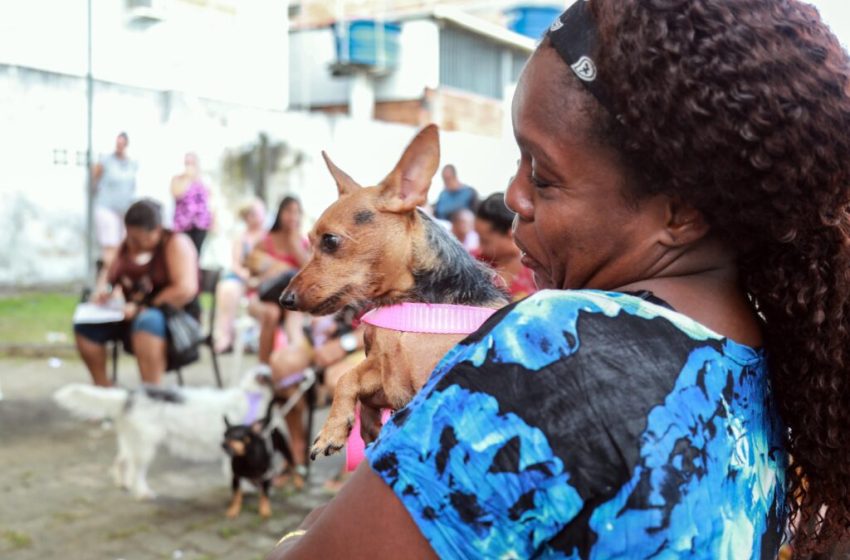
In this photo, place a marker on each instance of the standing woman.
(114, 180)
(192, 214)
(679, 387)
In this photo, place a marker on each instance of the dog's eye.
(329, 243)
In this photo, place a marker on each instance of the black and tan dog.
(251, 459)
(374, 248)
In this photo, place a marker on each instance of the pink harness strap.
(433, 318)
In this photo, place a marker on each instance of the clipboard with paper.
(92, 313)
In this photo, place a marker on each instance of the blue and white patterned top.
(585, 424)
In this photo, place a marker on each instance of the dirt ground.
(57, 500)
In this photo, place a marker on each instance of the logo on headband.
(585, 69)
(556, 25)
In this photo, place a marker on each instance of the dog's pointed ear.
(227, 422)
(406, 187)
(344, 183)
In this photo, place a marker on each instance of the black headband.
(574, 36)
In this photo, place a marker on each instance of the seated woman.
(334, 345)
(153, 267)
(493, 223)
(282, 251)
(234, 283)
(682, 197)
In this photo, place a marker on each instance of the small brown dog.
(374, 248)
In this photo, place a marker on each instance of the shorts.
(150, 320)
(108, 227)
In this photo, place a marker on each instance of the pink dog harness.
(432, 318)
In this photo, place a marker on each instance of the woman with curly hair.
(679, 389)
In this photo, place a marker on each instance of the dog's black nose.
(287, 299)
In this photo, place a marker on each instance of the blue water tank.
(532, 20)
(366, 42)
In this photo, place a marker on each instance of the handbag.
(184, 336)
(270, 289)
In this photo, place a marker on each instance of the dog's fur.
(374, 248)
(188, 421)
(251, 459)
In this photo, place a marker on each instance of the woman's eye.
(330, 243)
(539, 183)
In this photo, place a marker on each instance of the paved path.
(57, 500)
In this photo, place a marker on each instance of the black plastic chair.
(209, 284)
(209, 278)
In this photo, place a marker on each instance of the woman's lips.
(526, 260)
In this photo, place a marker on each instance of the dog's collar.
(432, 318)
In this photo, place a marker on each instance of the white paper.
(93, 313)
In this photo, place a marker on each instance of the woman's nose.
(517, 198)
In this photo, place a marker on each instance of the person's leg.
(285, 363)
(94, 356)
(197, 236)
(149, 345)
(289, 360)
(227, 293)
(269, 321)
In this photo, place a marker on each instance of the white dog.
(188, 420)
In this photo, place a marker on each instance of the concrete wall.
(42, 179)
(230, 50)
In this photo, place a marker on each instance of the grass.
(228, 532)
(17, 540)
(27, 318)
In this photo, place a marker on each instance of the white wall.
(42, 216)
(312, 51)
(227, 50)
(418, 65)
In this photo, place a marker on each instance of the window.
(472, 63)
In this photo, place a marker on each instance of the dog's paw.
(327, 445)
(119, 480)
(233, 512)
(332, 437)
(265, 509)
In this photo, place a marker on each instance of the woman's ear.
(684, 224)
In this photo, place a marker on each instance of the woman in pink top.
(192, 214)
(282, 250)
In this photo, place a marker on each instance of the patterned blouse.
(192, 209)
(585, 424)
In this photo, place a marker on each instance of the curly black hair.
(741, 108)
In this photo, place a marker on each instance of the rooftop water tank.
(366, 43)
(532, 20)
